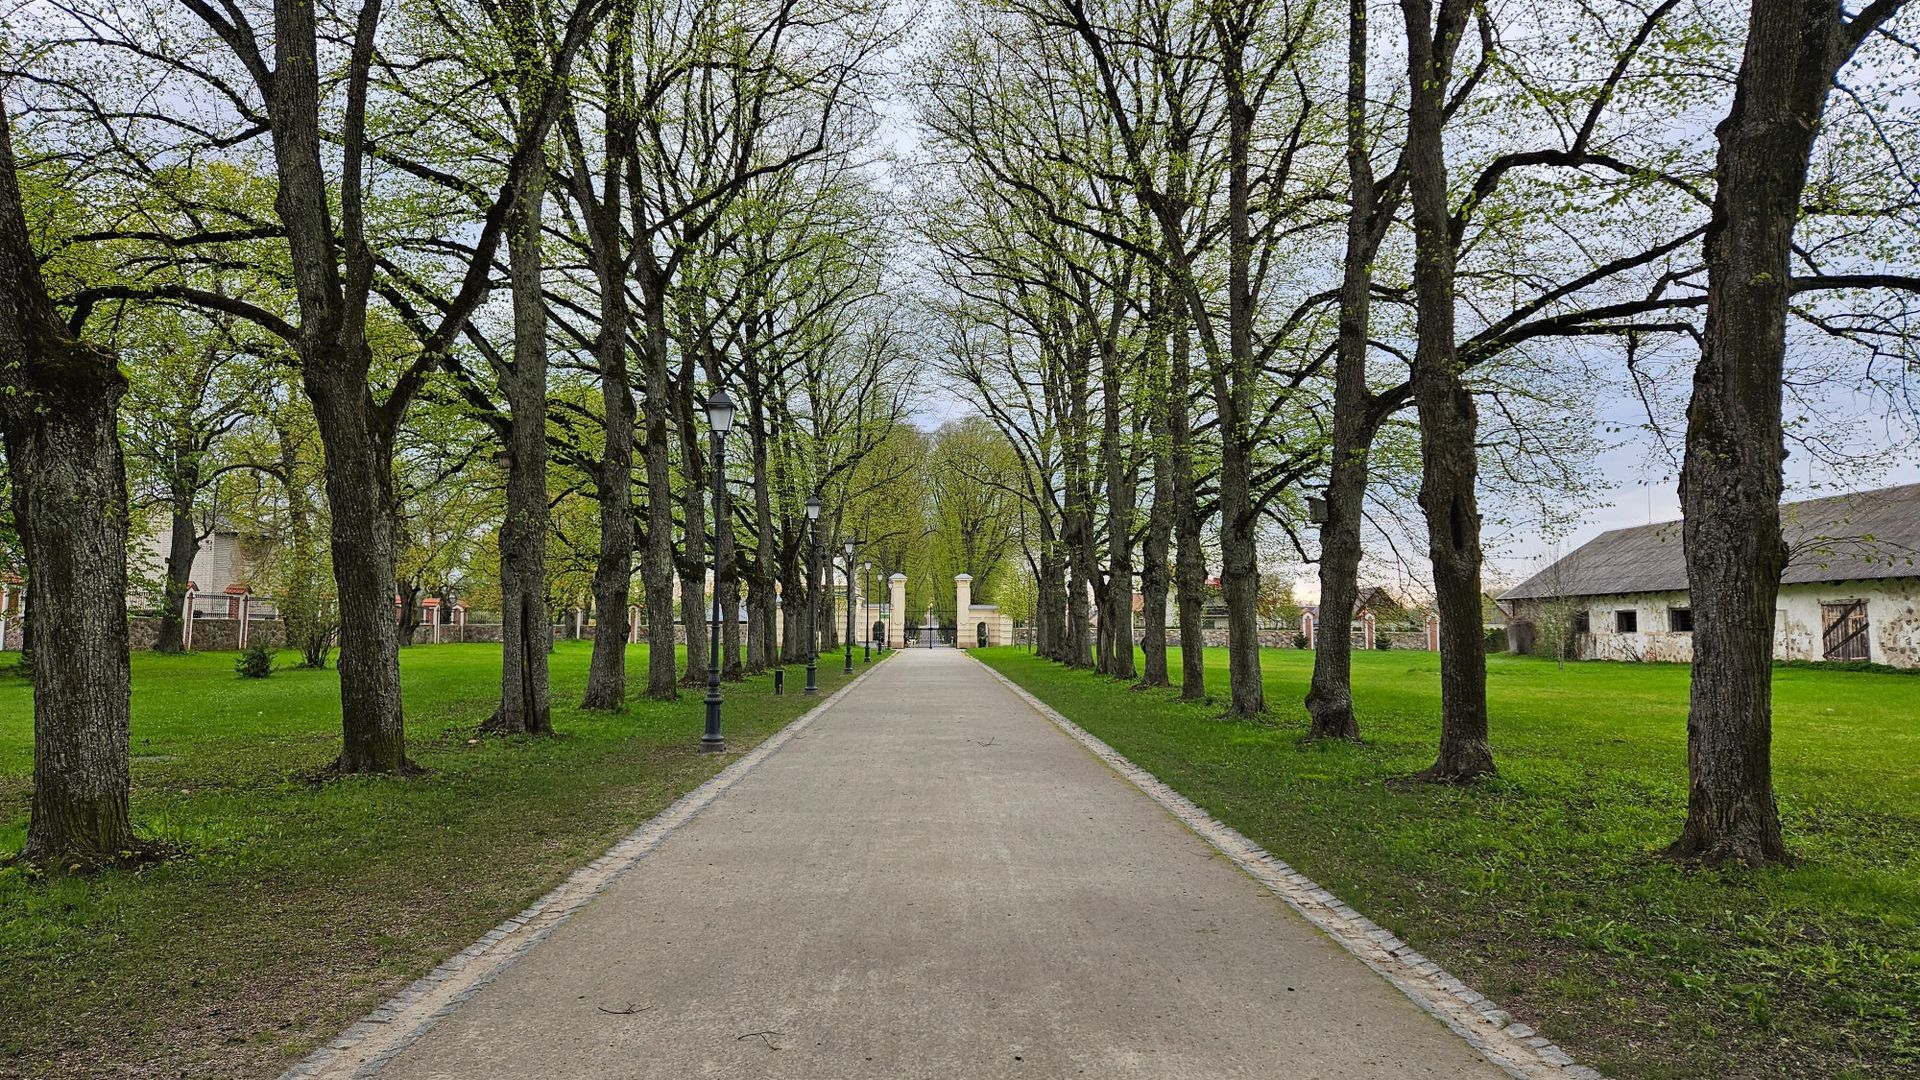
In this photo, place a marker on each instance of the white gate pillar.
(186, 620)
(962, 604)
(897, 611)
(1366, 621)
(1306, 627)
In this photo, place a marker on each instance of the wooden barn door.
(1844, 630)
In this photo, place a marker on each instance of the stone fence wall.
(1269, 639)
(223, 635)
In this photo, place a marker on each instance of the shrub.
(255, 663)
(1382, 642)
(1299, 641)
(1846, 665)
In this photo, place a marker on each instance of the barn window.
(1680, 620)
(1627, 621)
(1844, 630)
(1582, 622)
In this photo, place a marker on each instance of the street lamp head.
(850, 545)
(813, 508)
(720, 411)
(867, 567)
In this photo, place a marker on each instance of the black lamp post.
(851, 542)
(866, 612)
(720, 420)
(813, 598)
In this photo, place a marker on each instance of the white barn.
(1851, 590)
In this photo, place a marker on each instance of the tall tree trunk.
(1240, 588)
(408, 594)
(1155, 551)
(1330, 696)
(526, 626)
(1233, 379)
(59, 415)
(613, 478)
(1053, 599)
(657, 567)
(826, 617)
(1123, 481)
(309, 625)
(334, 364)
(762, 651)
(613, 475)
(1730, 481)
(1190, 560)
(727, 585)
(794, 593)
(1448, 421)
(1079, 642)
(695, 610)
(183, 546)
(359, 481)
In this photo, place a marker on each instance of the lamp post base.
(712, 742)
(813, 685)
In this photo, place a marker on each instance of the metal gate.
(933, 628)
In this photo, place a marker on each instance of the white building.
(225, 566)
(1851, 590)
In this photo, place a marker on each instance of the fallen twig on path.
(763, 1037)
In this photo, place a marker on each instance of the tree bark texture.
(1448, 421)
(1330, 696)
(695, 611)
(183, 546)
(657, 564)
(1156, 548)
(526, 630)
(1730, 481)
(613, 476)
(1233, 379)
(59, 414)
(1190, 559)
(1123, 481)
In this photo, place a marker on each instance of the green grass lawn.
(1543, 889)
(297, 908)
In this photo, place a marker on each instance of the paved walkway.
(933, 881)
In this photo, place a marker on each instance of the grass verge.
(296, 908)
(1542, 888)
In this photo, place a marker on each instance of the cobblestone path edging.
(362, 1049)
(1514, 1047)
